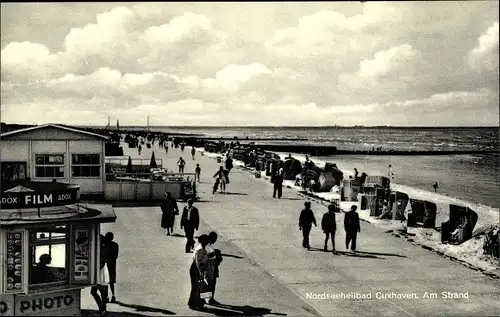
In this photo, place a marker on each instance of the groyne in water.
(315, 150)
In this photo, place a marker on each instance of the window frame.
(86, 165)
(32, 244)
(63, 165)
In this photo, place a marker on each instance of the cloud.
(329, 33)
(372, 63)
(115, 41)
(399, 61)
(484, 57)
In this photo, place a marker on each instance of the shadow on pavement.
(177, 235)
(135, 203)
(92, 313)
(386, 254)
(239, 194)
(358, 255)
(232, 256)
(205, 201)
(347, 253)
(232, 310)
(288, 198)
(146, 309)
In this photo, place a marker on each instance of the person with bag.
(352, 227)
(102, 284)
(306, 220)
(198, 274)
(329, 226)
(190, 221)
(169, 210)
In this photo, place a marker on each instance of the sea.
(473, 178)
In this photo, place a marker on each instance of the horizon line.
(261, 126)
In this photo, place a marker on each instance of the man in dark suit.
(329, 226)
(306, 220)
(352, 227)
(190, 221)
(278, 180)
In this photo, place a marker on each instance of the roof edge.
(76, 130)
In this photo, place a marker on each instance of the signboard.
(14, 270)
(59, 303)
(6, 305)
(25, 200)
(82, 255)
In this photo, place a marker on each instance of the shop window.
(49, 165)
(86, 165)
(49, 256)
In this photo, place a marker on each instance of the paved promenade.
(268, 271)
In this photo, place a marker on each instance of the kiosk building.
(51, 151)
(49, 248)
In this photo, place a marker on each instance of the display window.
(49, 165)
(85, 165)
(14, 273)
(49, 262)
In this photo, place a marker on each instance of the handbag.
(205, 292)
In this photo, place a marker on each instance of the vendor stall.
(48, 249)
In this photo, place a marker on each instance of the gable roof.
(57, 126)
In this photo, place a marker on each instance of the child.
(197, 171)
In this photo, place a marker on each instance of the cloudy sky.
(350, 63)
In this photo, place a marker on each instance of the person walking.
(278, 181)
(197, 273)
(113, 249)
(217, 261)
(306, 220)
(435, 186)
(181, 164)
(190, 221)
(166, 148)
(352, 227)
(169, 210)
(329, 226)
(229, 163)
(193, 152)
(197, 172)
(102, 284)
(220, 175)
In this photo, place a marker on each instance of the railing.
(135, 161)
(139, 176)
(149, 186)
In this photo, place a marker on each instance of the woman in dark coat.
(169, 210)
